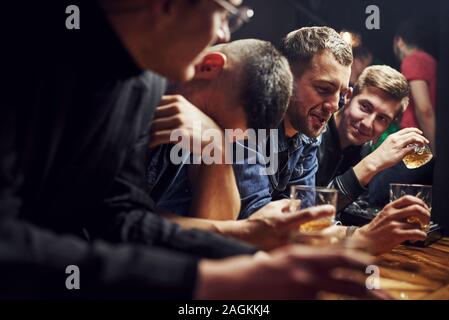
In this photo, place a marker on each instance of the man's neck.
(338, 118)
(288, 128)
(408, 51)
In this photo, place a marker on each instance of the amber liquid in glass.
(419, 157)
(316, 225)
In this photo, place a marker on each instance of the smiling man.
(321, 64)
(380, 96)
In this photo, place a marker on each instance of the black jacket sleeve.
(162, 260)
(349, 188)
(128, 211)
(33, 264)
(33, 260)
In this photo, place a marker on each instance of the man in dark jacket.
(69, 164)
(345, 163)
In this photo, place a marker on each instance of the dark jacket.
(335, 166)
(73, 125)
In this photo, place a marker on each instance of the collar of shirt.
(332, 148)
(294, 143)
(331, 135)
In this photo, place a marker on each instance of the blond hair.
(387, 79)
(300, 46)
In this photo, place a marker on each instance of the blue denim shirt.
(297, 165)
(167, 183)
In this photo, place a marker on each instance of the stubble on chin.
(312, 132)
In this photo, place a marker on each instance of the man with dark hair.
(420, 70)
(70, 153)
(241, 85)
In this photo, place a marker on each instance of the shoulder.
(151, 81)
(414, 67)
(417, 64)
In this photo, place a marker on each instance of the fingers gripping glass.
(422, 192)
(237, 16)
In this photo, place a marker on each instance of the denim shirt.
(167, 183)
(297, 165)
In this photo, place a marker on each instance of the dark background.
(273, 19)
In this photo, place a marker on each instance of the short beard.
(303, 127)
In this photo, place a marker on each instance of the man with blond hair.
(380, 96)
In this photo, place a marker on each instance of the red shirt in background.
(419, 66)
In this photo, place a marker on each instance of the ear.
(348, 95)
(210, 66)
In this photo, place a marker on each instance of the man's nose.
(368, 123)
(331, 105)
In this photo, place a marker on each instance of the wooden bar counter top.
(413, 273)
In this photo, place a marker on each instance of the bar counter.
(417, 273)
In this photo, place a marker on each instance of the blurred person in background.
(420, 70)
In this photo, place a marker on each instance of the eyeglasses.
(237, 16)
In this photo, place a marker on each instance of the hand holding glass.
(422, 192)
(303, 197)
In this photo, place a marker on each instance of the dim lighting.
(352, 38)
